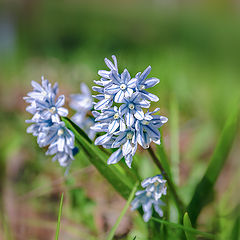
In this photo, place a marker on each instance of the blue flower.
(82, 104)
(40, 93)
(46, 124)
(149, 198)
(142, 83)
(60, 141)
(112, 66)
(148, 128)
(132, 108)
(56, 136)
(156, 185)
(105, 101)
(37, 125)
(127, 144)
(121, 101)
(51, 109)
(113, 118)
(121, 86)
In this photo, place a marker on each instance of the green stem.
(59, 217)
(188, 229)
(131, 196)
(171, 186)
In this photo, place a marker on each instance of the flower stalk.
(171, 185)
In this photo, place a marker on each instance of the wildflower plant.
(149, 198)
(121, 113)
(109, 126)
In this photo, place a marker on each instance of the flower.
(82, 104)
(51, 109)
(119, 112)
(156, 185)
(112, 118)
(46, 124)
(132, 108)
(112, 66)
(148, 128)
(127, 144)
(149, 198)
(40, 93)
(121, 86)
(142, 83)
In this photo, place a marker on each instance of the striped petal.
(115, 157)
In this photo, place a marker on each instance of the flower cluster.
(83, 104)
(47, 126)
(119, 112)
(149, 198)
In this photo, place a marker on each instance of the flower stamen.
(123, 86)
(131, 106)
(52, 110)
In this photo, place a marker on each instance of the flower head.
(149, 198)
(120, 114)
(46, 124)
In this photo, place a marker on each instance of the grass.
(59, 217)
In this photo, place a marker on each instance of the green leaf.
(179, 226)
(204, 189)
(235, 235)
(114, 228)
(115, 175)
(59, 218)
(187, 223)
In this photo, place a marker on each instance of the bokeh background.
(192, 46)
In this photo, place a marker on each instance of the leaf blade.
(123, 212)
(179, 226)
(59, 217)
(205, 187)
(187, 223)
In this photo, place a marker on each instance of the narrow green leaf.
(114, 228)
(59, 217)
(187, 223)
(204, 189)
(113, 173)
(179, 226)
(235, 234)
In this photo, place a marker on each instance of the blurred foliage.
(192, 46)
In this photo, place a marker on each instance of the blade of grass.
(204, 189)
(235, 234)
(179, 226)
(59, 217)
(187, 223)
(114, 228)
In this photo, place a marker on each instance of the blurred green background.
(192, 46)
